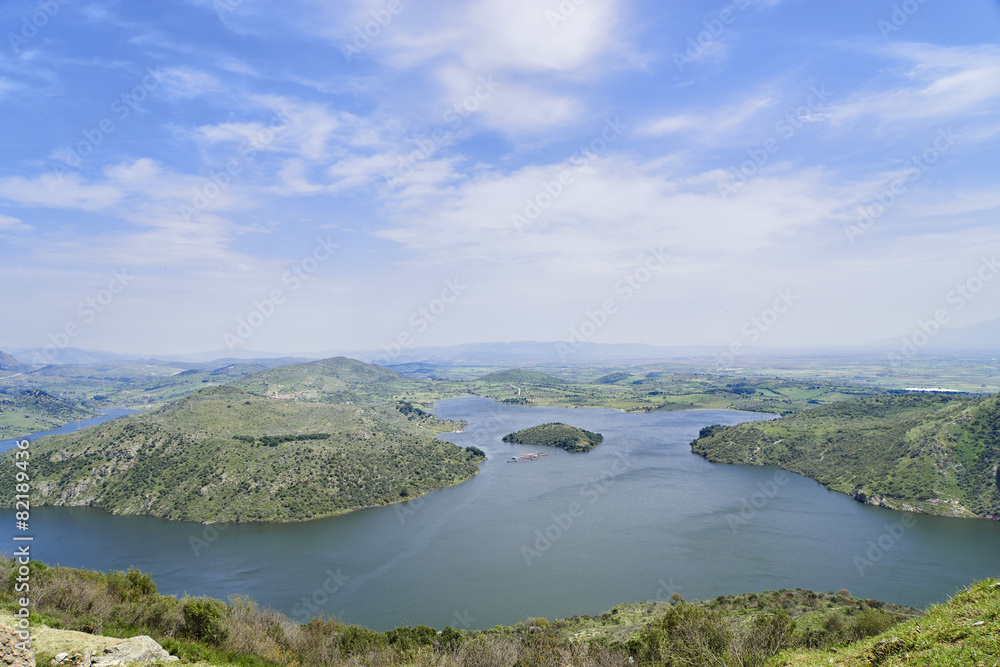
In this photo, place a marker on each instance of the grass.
(964, 632)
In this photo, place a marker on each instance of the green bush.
(355, 640)
(203, 620)
(869, 623)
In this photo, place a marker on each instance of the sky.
(191, 175)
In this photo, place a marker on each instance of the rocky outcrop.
(140, 650)
(13, 649)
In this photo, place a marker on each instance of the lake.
(638, 518)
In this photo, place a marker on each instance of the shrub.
(869, 623)
(203, 620)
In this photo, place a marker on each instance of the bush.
(203, 620)
(131, 585)
(869, 623)
(355, 640)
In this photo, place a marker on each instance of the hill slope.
(23, 412)
(929, 453)
(519, 376)
(223, 454)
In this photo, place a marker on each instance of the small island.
(570, 438)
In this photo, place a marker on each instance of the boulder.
(140, 649)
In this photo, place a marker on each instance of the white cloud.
(187, 82)
(940, 84)
(711, 122)
(59, 191)
(10, 224)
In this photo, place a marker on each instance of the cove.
(638, 518)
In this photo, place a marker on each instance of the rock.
(14, 650)
(141, 649)
(61, 657)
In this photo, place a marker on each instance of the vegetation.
(570, 438)
(28, 411)
(786, 627)
(933, 453)
(222, 454)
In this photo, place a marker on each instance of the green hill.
(23, 412)
(570, 438)
(335, 380)
(612, 378)
(932, 453)
(517, 376)
(222, 454)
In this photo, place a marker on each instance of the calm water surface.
(638, 518)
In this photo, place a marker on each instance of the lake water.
(638, 518)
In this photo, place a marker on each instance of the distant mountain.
(64, 355)
(532, 353)
(9, 363)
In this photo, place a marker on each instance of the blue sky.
(305, 175)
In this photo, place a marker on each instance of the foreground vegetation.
(569, 438)
(773, 628)
(933, 453)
